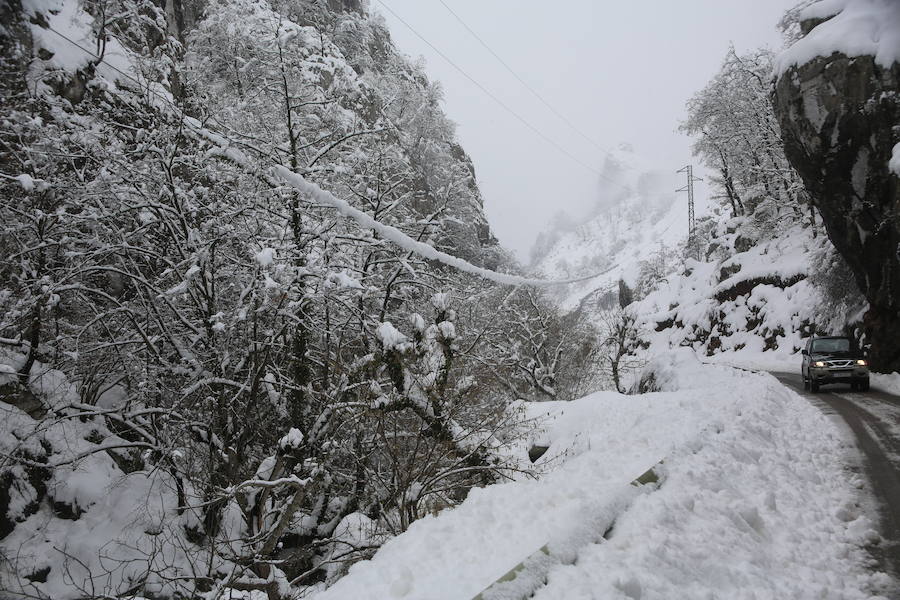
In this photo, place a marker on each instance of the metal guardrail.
(528, 575)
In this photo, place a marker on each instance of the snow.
(71, 41)
(270, 382)
(179, 288)
(750, 476)
(754, 503)
(191, 272)
(705, 306)
(108, 542)
(894, 164)
(447, 329)
(441, 301)
(389, 336)
(417, 321)
(265, 257)
(26, 181)
(888, 382)
(636, 217)
(354, 530)
(853, 28)
(293, 439)
(388, 232)
(345, 280)
(778, 361)
(266, 467)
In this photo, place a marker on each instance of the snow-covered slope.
(749, 475)
(79, 505)
(751, 295)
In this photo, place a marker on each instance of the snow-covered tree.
(279, 370)
(738, 137)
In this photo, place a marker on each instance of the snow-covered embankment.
(755, 501)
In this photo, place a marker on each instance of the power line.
(606, 150)
(505, 107)
(524, 83)
(499, 102)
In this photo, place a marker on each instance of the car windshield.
(831, 345)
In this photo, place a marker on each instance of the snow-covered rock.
(849, 27)
(838, 107)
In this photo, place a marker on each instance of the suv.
(834, 360)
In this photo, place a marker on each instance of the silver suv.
(834, 359)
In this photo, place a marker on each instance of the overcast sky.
(621, 70)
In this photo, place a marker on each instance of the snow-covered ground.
(753, 503)
(789, 362)
(98, 525)
(888, 382)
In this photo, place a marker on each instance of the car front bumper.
(826, 375)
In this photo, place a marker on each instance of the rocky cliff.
(839, 112)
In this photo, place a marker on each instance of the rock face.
(840, 119)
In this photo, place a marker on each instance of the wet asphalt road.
(874, 418)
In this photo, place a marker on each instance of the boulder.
(840, 120)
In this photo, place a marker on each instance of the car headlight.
(819, 363)
(861, 362)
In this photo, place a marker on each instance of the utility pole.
(693, 245)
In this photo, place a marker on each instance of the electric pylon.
(693, 245)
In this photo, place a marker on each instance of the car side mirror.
(804, 352)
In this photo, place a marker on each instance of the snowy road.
(874, 419)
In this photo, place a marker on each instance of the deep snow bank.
(755, 503)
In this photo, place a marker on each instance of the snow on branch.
(404, 241)
(291, 481)
(225, 150)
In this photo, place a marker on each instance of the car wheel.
(813, 386)
(854, 386)
(805, 383)
(864, 386)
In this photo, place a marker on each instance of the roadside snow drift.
(754, 503)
